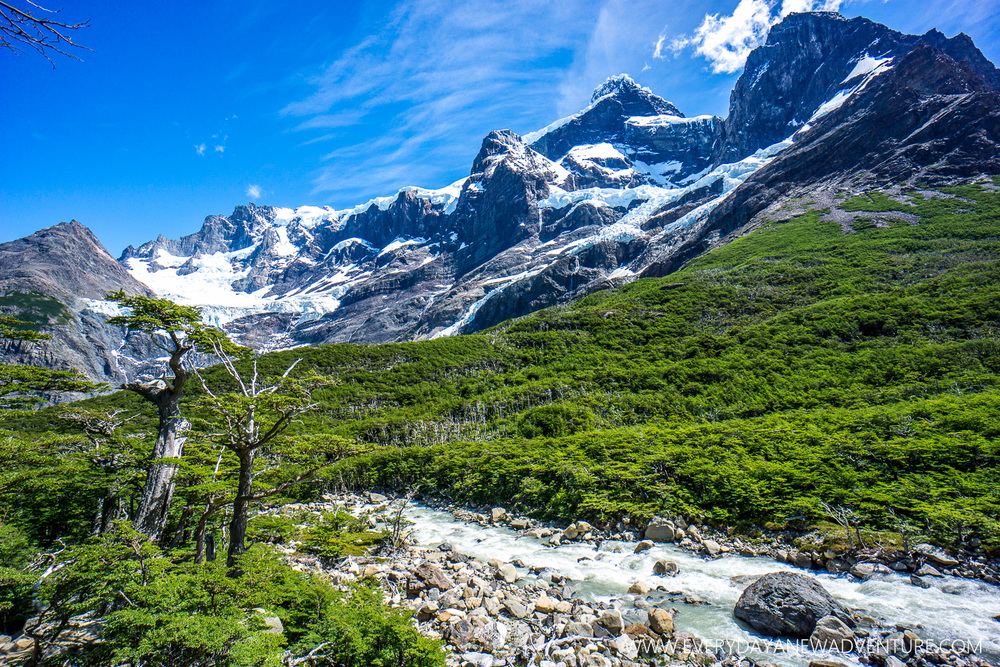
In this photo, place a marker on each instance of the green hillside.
(799, 363)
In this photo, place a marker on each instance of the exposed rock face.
(628, 187)
(805, 59)
(57, 278)
(928, 118)
(787, 604)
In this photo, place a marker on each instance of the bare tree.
(845, 517)
(35, 28)
(253, 417)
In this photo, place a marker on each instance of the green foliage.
(167, 612)
(796, 365)
(556, 420)
(361, 631)
(16, 551)
(22, 386)
(162, 317)
(32, 311)
(340, 534)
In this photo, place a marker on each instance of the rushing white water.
(963, 613)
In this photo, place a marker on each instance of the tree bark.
(241, 506)
(199, 534)
(111, 510)
(154, 504)
(178, 537)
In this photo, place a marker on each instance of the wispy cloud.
(254, 192)
(726, 40)
(415, 97)
(658, 47)
(200, 149)
(220, 149)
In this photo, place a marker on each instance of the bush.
(362, 631)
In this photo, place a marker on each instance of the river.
(953, 609)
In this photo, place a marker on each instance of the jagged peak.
(617, 84)
(498, 142)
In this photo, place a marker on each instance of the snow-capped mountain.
(627, 187)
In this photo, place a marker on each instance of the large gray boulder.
(787, 604)
(660, 530)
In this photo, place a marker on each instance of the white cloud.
(200, 149)
(658, 49)
(254, 191)
(220, 149)
(726, 41)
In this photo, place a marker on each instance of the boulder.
(927, 570)
(273, 623)
(507, 572)
(544, 604)
(712, 548)
(637, 630)
(918, 581)
(520, 524)
(611, 619)
(570, 532)
(661, 622)
(787, 604)
(625, 647)
(639, 588)
(939, 556)
(832, 633)
(660, 530)
(800, 559)
(492, 636)
(515, 607)
(866, 570)
(645, 545)
(664, 567)
(826, 663)
(575, 629)
(433, 576)
(911, 641)
(498, 515)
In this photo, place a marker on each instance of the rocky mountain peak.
(634, 99)
(620, 83)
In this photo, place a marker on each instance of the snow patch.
(667, 119)
(532, 137)
(867, 65)
(400, 242)
(869, 68)
(603, 151)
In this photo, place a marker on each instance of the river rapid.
(952, 610)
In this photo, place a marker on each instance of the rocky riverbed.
(506, 590)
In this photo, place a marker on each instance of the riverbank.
(502, 589)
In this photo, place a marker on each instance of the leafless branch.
(24, 29)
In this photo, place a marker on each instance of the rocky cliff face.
(629, 186)
(58, 278)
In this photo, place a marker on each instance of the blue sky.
(185, 109)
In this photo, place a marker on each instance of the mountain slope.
(627, 187)
(57, 278)
(846, 353)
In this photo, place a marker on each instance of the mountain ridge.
(627, 187)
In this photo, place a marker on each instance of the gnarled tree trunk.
(241, 506)
(158, 491)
